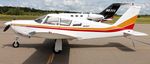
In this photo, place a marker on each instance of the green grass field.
(140, 20)
(19, 17)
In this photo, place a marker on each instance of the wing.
(52, 35)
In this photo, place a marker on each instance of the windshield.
(40, 19)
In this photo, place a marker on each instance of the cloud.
(71, 2)
(1, 5)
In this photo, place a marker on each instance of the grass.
(143, 20)
(140, 20)
(18, 17)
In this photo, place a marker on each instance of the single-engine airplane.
(59, 28)
(106, 14)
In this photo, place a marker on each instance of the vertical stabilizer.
(127, 20)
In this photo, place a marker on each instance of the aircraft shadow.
(110, 44)
(41, 56)
(43, 51)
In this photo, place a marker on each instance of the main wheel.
(57, 47)
(15, 44)
(57, 51)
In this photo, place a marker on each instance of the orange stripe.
(128, 22)
(78, 28)
(113, 30)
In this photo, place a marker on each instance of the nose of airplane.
(8, 24)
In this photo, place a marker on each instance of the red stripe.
(71, 29)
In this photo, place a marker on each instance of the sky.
(94, 6)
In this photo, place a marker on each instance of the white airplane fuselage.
(59, 33)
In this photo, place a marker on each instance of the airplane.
(59, 28)
(106, 14)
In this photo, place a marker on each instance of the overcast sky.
(76, 5)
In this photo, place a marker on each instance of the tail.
(111, 10)
(128, 19)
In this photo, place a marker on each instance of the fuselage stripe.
(79, 29)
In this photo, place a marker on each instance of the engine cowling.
(95, 17)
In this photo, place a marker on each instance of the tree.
(15, 11)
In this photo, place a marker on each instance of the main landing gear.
(16, 43)
(57, 48)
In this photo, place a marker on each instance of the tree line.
(9, 10)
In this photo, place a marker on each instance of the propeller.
(6, 28)
(8, 24)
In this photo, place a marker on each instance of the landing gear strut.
(58, 46)
(16, 43)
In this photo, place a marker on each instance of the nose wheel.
(15, 44)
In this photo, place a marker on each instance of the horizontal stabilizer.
(135, 33)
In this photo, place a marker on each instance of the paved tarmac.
(117, 50)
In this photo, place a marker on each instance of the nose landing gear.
(16, 43)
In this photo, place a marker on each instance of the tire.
(15, 44)
(57, 52)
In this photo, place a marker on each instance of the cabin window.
(81, 15)
(77, 24)
(71, 15)
(76, 15)
(65, 22)
(52, 20)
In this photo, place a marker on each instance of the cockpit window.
(52, 20)
(40, 19)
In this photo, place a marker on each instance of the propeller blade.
(6, 28)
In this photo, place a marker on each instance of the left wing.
(52, 35)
